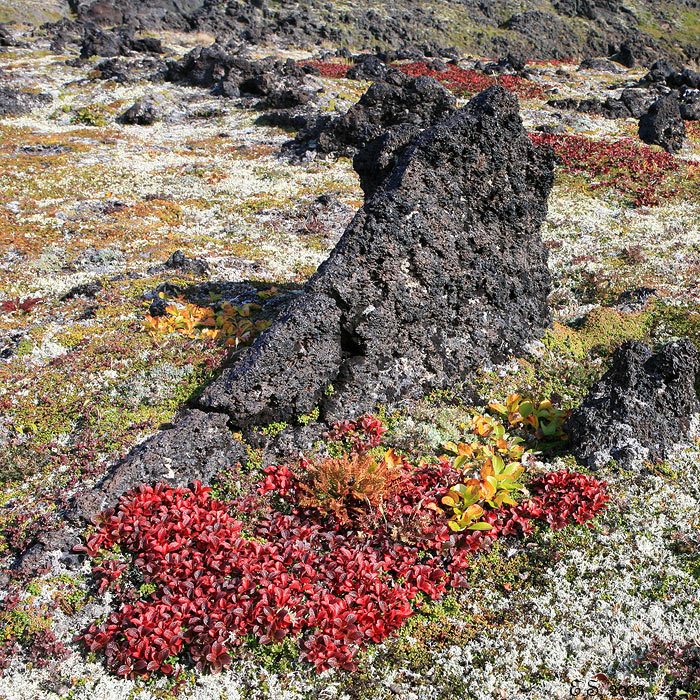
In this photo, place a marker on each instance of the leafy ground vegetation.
(441, 551)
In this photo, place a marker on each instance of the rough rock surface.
(16, 102)
(144, 112)
(632, 102)
(603, 65)
(196, 446)
(280, 83)
(367, 67)
(442, 269)
(640, 408)
(399, 99)
(663, 125)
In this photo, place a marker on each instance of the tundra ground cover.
(82, 380)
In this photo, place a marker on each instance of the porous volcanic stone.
(663, 125)
(441, 270)
(398, 99)
(196, 446)
(640, 408)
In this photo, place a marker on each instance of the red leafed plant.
(17, 304)
(464, 82)
(333, 581)
(357, 435)
(330, 69)
(646, 175)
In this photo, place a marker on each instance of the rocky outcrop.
(569, 28)
(143, 112)
(632, 102)
(640, 409)
(663, 125)
(120, 42)
(440, 271)
(276, 82)
(398, 99)
(16, 102)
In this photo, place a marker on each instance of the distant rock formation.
(396, 99)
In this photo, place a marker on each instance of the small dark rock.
(144, 112)
(663, 125)
(640, 409)
(367, 67)
(602, 65)
(635, 299)
(88, 289)
(15, 102)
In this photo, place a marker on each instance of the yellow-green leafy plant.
(230, 324)
(541, 418)
(496, 469)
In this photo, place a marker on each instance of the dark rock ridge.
(580, 28)
(440, 271)
(663, 125)
(120, 42)
(641, 407)
(278, 83)
(633, 102)
(398, 99)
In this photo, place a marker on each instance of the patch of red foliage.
(291, 572)
(329, 69)
(645, 174)
(359, 435)
(467, 82)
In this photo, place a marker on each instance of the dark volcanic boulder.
(15, 102)
(367, 67)
(640, 408)
(399, 99)
(144, 112)
(103, 42)
(195, 446)
(441, 270)
(599, 64)
(663, 125)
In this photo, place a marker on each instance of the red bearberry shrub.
(646, 175)
(465, 82)
(357, 435)
(329, 69)
(332, 585)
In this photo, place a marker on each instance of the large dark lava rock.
(441, 270)
(663, 125)
(398, 99)
(640, 408)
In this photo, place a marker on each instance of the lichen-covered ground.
(84, 199)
